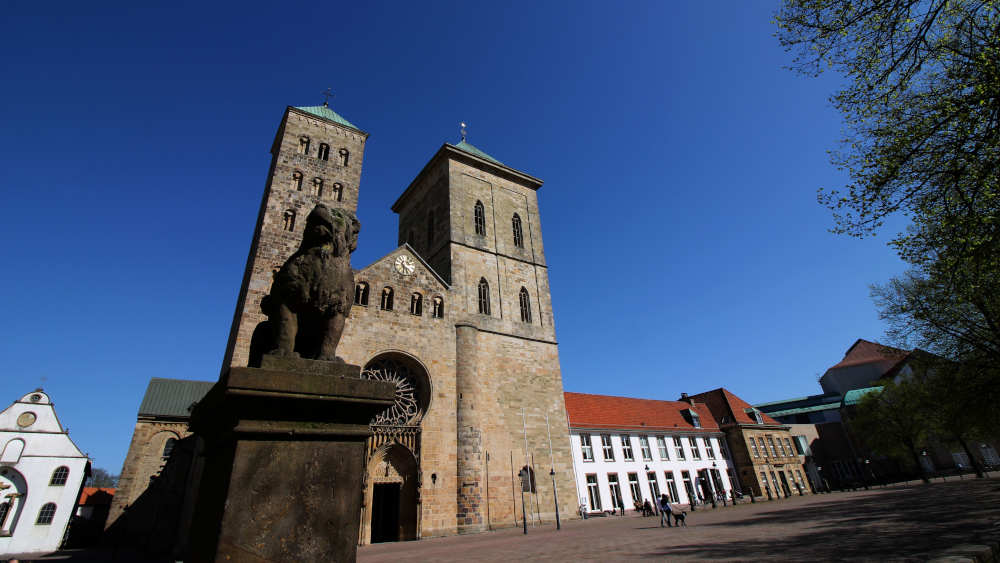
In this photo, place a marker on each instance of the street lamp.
(552, 473)
(523, 474)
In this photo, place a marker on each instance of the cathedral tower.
(315, 158)
(476, 222)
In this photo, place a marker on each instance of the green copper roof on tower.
(462, 145)
(326, 113)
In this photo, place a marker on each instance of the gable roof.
(328, 114)
(172, 397)
(416, 255)
(727, 408)
(584, 410)
(865, 352)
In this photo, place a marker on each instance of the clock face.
(404, 265)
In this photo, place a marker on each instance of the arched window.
(297, 181)
(484, 297)
(480, 217)
(289, 220)
(303, 145)
(430, 228)
(518, 236)
(344, 155)
(324, 152)
(416, 304)
(338, 192)
(318, 187)
(46, 514)
(168, 447)
(437, 311)
(386, 304)
(361, 294)
(59, 476)
(525, 301)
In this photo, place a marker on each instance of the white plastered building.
(628, 449)
(41, 474)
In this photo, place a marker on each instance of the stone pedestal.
(284, 462)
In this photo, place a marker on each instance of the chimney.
(686, 399)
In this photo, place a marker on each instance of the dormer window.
(692, 417)
(755, 414)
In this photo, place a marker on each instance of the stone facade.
(298, 179)
(763, 452)
(145, 459)
(480, 393)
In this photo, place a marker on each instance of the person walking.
(665, 511)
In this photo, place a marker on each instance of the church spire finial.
(464, 132)
(326, 98)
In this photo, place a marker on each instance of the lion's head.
(337, 228)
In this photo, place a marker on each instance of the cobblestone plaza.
(912, 521)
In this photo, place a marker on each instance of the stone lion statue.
(313, 291)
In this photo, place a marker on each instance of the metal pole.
(524, 515)
(524, 431)
(513, 499)
(533, 483)
(552, 471)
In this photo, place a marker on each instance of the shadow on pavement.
(915, 521)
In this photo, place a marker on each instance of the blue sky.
(680, 159)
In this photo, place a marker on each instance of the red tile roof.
(604, 411)
(727, 408)
(865, 352)
(96, 495)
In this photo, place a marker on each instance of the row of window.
(386, 303)
(323, 152)
(45, 515)
(317, 187)
(362, 290)
(709, 479)
(785, 450)
(479, 219)
(524, 300)
(608, 451)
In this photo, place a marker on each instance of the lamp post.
(552, 472)
(523, 474)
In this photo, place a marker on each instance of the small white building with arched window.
(41, 474)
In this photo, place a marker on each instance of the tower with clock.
(458, 316)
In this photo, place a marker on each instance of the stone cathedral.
(458, 316)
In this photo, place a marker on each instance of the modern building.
(629, 450)
(767, 464)
(835, 457)
(458, 316)
(41, 475)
